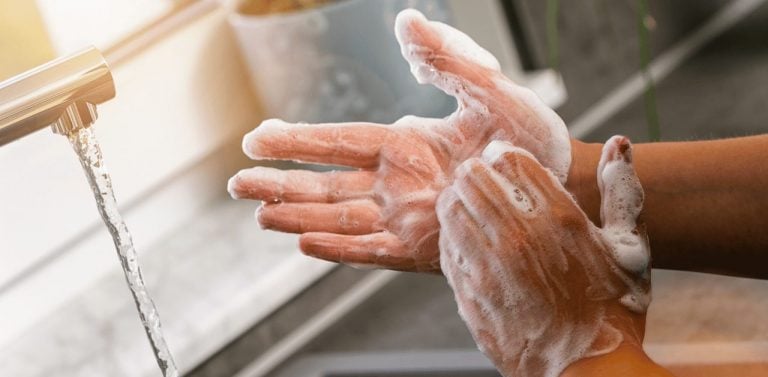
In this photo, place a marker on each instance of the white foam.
(496, 149)
(622, 201)
(555, 153)
(530, 321)
(526, 322)
(453, 41)
(542, 132)
(515, 195)
(630, 251)
(267, 127)
(233, 183)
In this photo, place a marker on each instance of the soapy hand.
(383, 213)
(538, 285)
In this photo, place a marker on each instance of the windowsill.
(211, 279)
(170, 140)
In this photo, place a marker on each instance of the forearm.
(705, 202)
(627, 360)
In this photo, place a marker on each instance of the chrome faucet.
(62, 93)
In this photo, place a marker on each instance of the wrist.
(582, 177)
(628, 359)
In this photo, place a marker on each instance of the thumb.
(451, 61)
(622, 201)
(443, 56)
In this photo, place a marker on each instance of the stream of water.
(87, 148)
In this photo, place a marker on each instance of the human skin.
(705, 204)
(383, 214)
(538, 285)
(627, 360)
(705, 201)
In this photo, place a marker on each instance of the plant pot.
(336, 62)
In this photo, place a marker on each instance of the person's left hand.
(538, 285)
(384, 213)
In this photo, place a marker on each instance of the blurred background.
(192, 76)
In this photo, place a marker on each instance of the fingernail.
(619, 148)
(625, 148)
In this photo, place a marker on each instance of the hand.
(383, 214)
(538, 285)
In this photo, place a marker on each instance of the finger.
(461, 238)
(448, 59)
(490, 197)
(622, 201)
(509, 213)
(443, 56)
(620, 190)
(522, 169)
(566, 233)
(461, 234)
(301, 186)
(357, 217)
(479, 316)
(522, 225)
(349, 144)
(381, 250)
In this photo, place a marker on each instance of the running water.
(87, 148)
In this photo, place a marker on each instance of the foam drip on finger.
(445, 57)
(519, 293)
(622, 200)
(450, 40)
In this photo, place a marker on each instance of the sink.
(742, 359)
(437, 363)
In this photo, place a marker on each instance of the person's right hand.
(383, 214)
(538, 285)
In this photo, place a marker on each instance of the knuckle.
(567, 218)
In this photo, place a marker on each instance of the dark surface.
(598, 40)
(413, 312)
(721, 92)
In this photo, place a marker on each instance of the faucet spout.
(62, 94)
